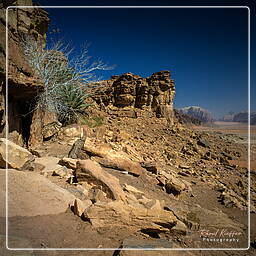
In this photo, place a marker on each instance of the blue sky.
(205, 49)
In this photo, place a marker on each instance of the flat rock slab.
(31, 194)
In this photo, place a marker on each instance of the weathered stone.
(128, 90)
(80, 206)
(91, 172)
(97, 195)
(63, 172)
(174, 186)
(31, 194)
(76, 152)
(110, 158)
(132, 190)
(195, 217)
(151, 167)
(23, 84)
(203, 143)
(17, 156)
(50, 164)
(120, 163)
(68, 162)
(134, 218)
(51, 129)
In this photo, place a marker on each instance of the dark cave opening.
(26, 112)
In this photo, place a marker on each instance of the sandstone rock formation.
(91, 172)
(23, 85)
(15, 157)
(125, 93)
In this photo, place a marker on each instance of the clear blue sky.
(205, 49)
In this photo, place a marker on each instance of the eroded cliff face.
(130, 92)
(23, 85)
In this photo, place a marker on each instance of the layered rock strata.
(23, 85)
(128, 91)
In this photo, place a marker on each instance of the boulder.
(49, 163)
(17, 156)
(151, 167)
(118, 213)
(51, 129)
(91, 172)
(31, 194)
(121, 164)
(80, 206)
(107, 157)
(174, 186)
(68, 162)
(203, 143)
(195, 216)
(63, 172)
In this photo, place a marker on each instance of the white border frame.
(131, 249)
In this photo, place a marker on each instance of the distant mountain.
(228, 117)
(197, 112)
(186, 119)
(240, 117)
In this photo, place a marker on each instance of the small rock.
(184, 166)
(203, 143)
(80, 206)
(63, 172)
(174, 186)
(151, 167)
(97, 195)
(132, 190)
(68, 162)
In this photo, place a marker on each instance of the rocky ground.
(133, 181)
(138, 183)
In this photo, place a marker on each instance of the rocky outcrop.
(241, 117)
(16, 157)
(197, 112)
(128, 92)
(23, 85)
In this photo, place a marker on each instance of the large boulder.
(119, 213)
(15, 157)
(91, 172)
(107, 157)
(31, 194)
